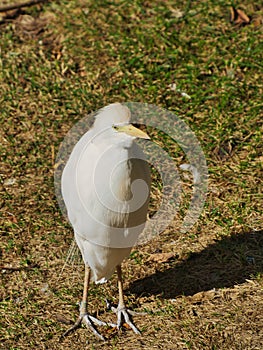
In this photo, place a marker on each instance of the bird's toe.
(90, 322)
(125, 316)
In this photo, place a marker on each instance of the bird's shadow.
(225, 263)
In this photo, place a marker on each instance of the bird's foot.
(91, 322)
(125, 315)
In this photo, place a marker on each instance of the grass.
(71, 58)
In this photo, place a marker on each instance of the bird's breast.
(103, 203)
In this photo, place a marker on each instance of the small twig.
(19, 6)
(18, 268)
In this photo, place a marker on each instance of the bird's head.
(114, 120)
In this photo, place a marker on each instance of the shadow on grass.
(225, 263)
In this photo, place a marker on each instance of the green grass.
(79, 56)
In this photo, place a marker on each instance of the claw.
(73, 328)
(91, 322)
(126, 314)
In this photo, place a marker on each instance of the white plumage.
(105, 186)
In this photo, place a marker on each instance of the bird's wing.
(91, 185)
(69, 188)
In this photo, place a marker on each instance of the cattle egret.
(105, 187)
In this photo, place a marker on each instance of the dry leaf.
(161, 257)
(238, 16)
(62, 319)
(232, 14)
(242, 17)
(257, 21)
(27, 26)
(203, 296)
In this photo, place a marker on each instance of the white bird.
(105, 187)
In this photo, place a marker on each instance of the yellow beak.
(131, 130)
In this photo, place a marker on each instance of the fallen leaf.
(257, 21)
(62, 319)
(232, 14)
(125, 325)
(161, 257)
(242, 17)
(238, 16)
(203, 296)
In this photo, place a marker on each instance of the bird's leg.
(84, 317)
(83, 305)
(121, 311)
